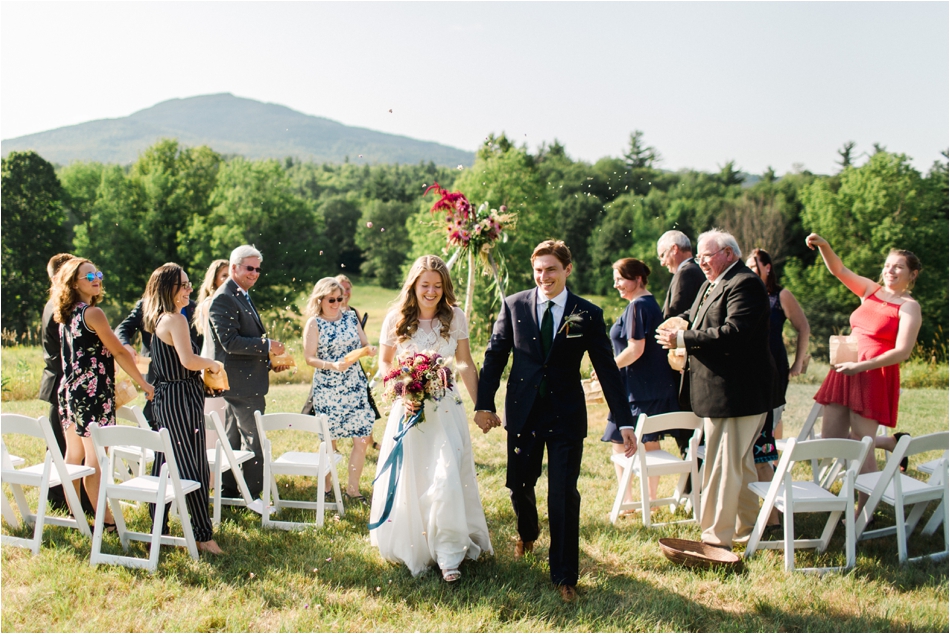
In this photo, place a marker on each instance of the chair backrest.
(134, 415)
(159, 441)
(938, 441)
(663, 422)
(852, 451)
(808, 427)
(287, 420)
(16, 424)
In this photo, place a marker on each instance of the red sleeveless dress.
(872, 394)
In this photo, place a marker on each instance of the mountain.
(231, 125)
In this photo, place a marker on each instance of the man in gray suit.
(730, 370)
(240, 342)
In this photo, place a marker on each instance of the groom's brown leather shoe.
(523, 547)
(568, 593)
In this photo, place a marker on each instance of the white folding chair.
(790, 496)
(53, 471)
(645, 463)
(222, 459)
(930, 467)
(159, 490)
(897, 489)
(131, 462)
(297, 463)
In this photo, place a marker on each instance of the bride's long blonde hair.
(407, 305)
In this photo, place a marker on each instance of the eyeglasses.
(334, 300)
(92, 277)
(187, 285)
(252, 269)
(708, 256)
(662, 256)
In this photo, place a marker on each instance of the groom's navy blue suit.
(557, 419)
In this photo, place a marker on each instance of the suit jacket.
(52, 357)
(239, 341)
(729, 366)
(517, 329)
(683, 289)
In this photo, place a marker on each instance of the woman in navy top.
(651, 383)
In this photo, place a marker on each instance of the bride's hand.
(411, 407)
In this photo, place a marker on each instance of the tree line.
(193, 205)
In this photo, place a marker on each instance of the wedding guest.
(347, 287)
(437, 517)
(87, 349)
(860, 395)
(782, 305)
(53, 373)
(730, 373)
(179, 390)
(215, 276)
(240, 342)
(650, 382)
(675, 252)
(133, 326)
(339, 386)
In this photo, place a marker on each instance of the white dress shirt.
(557, 308)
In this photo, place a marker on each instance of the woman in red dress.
(860, 395)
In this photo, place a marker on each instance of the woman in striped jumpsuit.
(179, 391)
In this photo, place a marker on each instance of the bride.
(437, 516)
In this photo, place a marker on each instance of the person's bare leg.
(627, 495)
(329, 483)
(357, 459)
(836, 421)
(861, 427)
(211, 547)
(91, 482)
(75, 452)
(654, 481)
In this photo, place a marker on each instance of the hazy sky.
(761, 83)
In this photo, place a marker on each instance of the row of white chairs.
(831, 461)
(123, 453)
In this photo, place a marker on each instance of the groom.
(549, 328)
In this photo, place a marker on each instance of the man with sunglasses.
(239, 341)
(134, 325)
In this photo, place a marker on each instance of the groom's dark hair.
(557, 248)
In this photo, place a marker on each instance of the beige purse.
(843, 349)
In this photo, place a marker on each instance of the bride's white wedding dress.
(437, 516)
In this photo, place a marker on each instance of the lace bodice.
(428, 336)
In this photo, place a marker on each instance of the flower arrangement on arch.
(468, 227)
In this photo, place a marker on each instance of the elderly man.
(239, 341)
(676, 253)
(730, 373)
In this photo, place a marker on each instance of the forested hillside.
(192, 205)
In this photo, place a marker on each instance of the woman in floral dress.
(88, 346)
(339, 386)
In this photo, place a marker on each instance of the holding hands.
(487, 420)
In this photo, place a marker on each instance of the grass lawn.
(333, 580)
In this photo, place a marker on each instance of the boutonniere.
(574, 320)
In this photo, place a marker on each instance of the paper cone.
(217, 381)
(356, 355)
(124, 392)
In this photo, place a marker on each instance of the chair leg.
(789, 540)
(850, 540)
(901, 533)
(40, 521)
(624, 484)
(156, 546)
(9, 515)
(645, 507)
(216, 515)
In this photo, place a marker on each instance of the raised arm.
(796, 316)
(98, 323)
(860, 286)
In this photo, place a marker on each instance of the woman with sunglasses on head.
(339, 386)
(179, 390)
(89, 350)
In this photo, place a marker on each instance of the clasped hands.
(487, 420)
(666, 338)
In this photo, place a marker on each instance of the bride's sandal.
(451, 575)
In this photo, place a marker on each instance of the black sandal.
(897, 438)
(359, 499)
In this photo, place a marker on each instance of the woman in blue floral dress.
(339, 386)
(89, 350)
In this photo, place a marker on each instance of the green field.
(333, 580)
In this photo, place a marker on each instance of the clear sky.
(763, 84)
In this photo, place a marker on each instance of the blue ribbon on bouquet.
(394, 463)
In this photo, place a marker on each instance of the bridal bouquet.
(416, 377)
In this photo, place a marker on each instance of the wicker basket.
(698, 555)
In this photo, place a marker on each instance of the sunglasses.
(252, 269)
(334, 300)
(92, 277)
